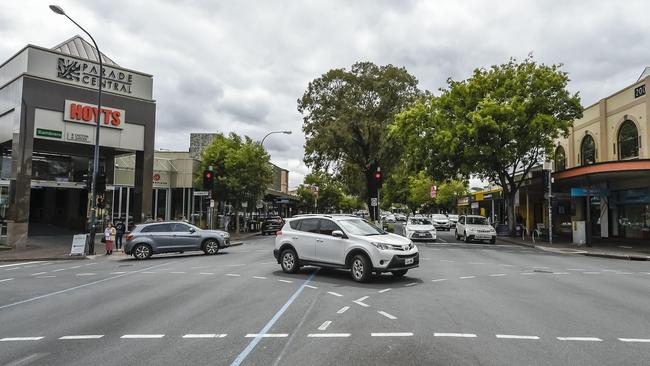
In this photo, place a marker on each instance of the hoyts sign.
(87, 113)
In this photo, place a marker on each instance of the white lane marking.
(259, 277)
(527, 273)
(235, 265)
(11, 269)
(609, 270)
(635, 340)
(590, 273)
(447, 260)
(328, 335)
(207, 335)
(442, 240)
(75, 267)
(507, 265)
(17, 339)
(512, 336)
(334, 293)
(411, 284)
(89, 336)
(624, 247)
(90, 264)
(560, 273)
(152, 272)
(575, 269)
(466, 277)
(6, 279)
(384, 290)
(541, 267)
(391, 317)
(117, 273)
(359, 301)
(497, 275)
(45, 276)
(142, 336)
(267, 335)
(624, 273)
(233, 274)
(86, 274)
(61, 269)
(285, 281)
(582, 339)
(178, 272)
(325, 325)
(439, 279)
(18, 264)
(198, 267)
(38, 274)
(310, 286)
(458, 335)
(397, 334)
(476, 263)
(206, 273)
(343, 310)
(269, 263)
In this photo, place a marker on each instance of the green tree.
(242, 169)
(346, 114)
(420, 191)
(448, 194)
(498, 124)
(329, 196)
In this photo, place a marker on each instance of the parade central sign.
(88, 74)
(87, 113)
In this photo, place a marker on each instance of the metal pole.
(93, 210)
(550, 209)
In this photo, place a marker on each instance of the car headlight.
(381, 246)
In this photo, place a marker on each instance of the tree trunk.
(510, 203)
(237, 217)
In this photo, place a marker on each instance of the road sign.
(211, 203)
(201, 193)
(373, 201)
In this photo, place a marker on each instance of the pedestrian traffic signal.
(378, 178)
(208, 180)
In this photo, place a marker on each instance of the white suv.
(473, 227)
(343, 242)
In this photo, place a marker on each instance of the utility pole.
(550, 206)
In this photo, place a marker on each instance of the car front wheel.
(361, 269)
(289, 261)
(211, 247)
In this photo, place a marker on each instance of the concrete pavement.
(467, 304)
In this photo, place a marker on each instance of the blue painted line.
(77, 287)
(242, 356)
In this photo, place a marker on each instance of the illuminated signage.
(87, 114)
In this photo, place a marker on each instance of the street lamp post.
(93, 211)
(271, 133)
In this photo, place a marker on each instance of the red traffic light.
(378, 175)
(208, 175)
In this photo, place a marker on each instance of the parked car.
(173, 236)
(389, 218)
(343, 242)
(400, 217)
(441, 222)
(472, 227)
(453, 219)
(420, 229)
(271, 225)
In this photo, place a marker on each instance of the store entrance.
(57, 210)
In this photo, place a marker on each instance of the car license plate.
(408, 261)
(422, 235)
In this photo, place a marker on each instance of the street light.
(271, 133)
(93, 211)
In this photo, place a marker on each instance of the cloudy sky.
(241, 65)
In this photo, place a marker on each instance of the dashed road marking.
(575, 269)
(343, 310)
(204, 335)
(206, 273)
(117, 273)
(624, 247)
(458, 335)
(527, 273)
(86, 274)
(439, 280)
(153, 272)
(476, 263)
(75, 267)
(582, 339)
(447, 260)
(635, 340)
(17, 264)
(560, 273)
(285, 281)
(507, 265)
(591, 273)
(178, 272)
(359, 301)
(396, 334)
(334, 293)
(142, 336)
(466, 277)
(411, 284)
(269, 263)
(235, 265)
(328, 335)
(623, 273)
(325, 325)
(18, 339)
(78, 337)
(198, 267)
(6, 279)
(540, 267)
(267, 335)
(38, 274)
(233, 274)
(312, 287)
(391, 317)
(512, 336)
(498, 275)
(384, 290)
(45, 276)
(259, 277)
(58, 270)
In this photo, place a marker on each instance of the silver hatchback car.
(173, 236)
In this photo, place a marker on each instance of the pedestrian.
(120, 228)
(226, 222)
(109, 235)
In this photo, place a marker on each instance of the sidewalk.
(57, 247)
(639, 252)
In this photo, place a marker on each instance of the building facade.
(47, 132)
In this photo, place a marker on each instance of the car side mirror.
(337, 234)
(192, 230)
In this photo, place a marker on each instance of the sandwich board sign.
(78, 244)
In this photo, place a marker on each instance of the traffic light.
(101, 182)
(208, 180)
(378, 178)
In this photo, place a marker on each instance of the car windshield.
(476, 220)
(419, 222)
(439, 217)
(360, 227)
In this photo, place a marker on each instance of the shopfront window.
(628, 141)
(633, 213)
(560, 159)
(588, 150)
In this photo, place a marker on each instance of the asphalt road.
(467, 304)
